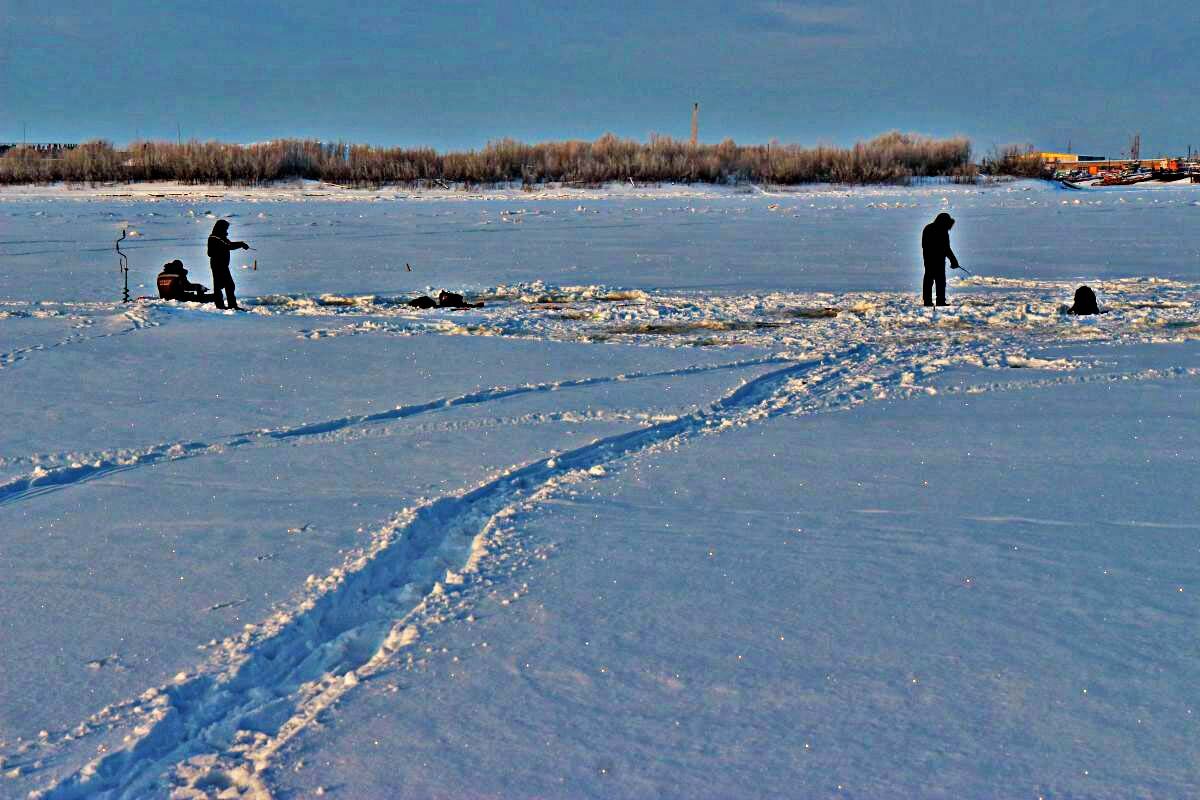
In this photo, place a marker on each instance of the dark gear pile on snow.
(1085, 302)
(445, 300)
(424, 301)
(452, 300)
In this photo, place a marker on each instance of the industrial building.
(1054, 159)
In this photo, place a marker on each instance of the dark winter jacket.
(935, 243)
(219, 246)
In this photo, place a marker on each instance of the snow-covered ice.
(701, 503)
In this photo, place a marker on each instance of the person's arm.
(228, 245)
(949, 253)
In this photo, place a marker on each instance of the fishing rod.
(124, 267)
(964, 269)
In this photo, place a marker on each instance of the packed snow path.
(221, 725)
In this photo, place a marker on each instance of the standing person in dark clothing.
(935, 249)
(219, 248)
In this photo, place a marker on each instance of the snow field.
(348, 495)
(897, 602)
(824, 238)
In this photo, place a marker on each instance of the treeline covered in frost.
(890, 158)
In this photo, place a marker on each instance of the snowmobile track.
(353, 621)
(136, 322)
(94, 466)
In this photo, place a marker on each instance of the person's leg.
(217, 284)
(223, 285)
(927, 288)
(940, 279)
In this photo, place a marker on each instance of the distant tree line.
(890, 158)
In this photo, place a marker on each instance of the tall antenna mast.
(695, 123)
(1135, 147)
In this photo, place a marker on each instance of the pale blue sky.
(455, 74)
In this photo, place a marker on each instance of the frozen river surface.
(701, 503)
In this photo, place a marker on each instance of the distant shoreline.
(318, 191)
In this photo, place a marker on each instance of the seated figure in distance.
(1085, 302)
(174, 285)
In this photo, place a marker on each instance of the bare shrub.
(891, 158)
(1020, 161)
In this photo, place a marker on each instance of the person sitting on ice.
(1085, 302)
(935, 249)
(174, 285)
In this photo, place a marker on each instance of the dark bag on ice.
(445, 300)
(454, 300)
(1085, 302)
